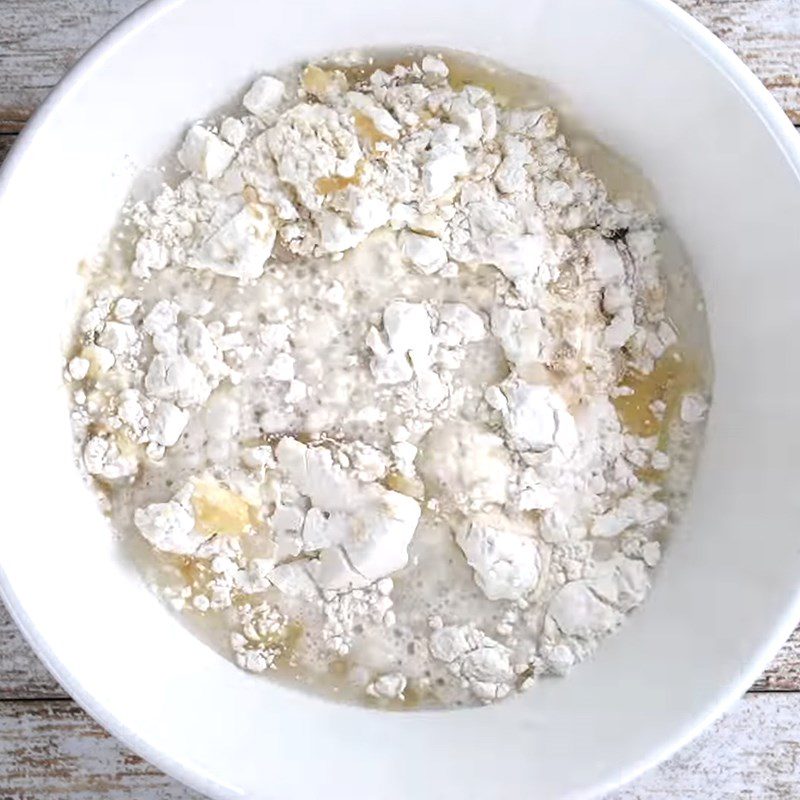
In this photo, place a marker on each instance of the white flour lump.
(382, 394)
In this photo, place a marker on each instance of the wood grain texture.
(765, 34)
(22, 675)
(41, 39)
(783, 675)
(6, 140)
(753, 753)
(51, 751)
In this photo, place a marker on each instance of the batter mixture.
(383, 393)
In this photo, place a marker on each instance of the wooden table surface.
(49, 748)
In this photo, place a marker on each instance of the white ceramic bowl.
(654, 86)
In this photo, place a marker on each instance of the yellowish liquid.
(367, 132)
(193, 572)
(335, 183)
(412, 487)
(508, 87)
(674, 375)
(287, 641)
(219, 510)
(318, 82)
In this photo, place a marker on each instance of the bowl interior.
(646, 82)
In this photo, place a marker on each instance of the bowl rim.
(784, 136)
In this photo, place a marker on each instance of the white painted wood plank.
(41, 39)
(753, 752)
(765, 34)
(783, 675)
(22, 675)
(52, 751)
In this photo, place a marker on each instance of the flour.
(481, 663)
(353, 389)
(505, 556)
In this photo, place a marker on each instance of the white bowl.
(653, 85)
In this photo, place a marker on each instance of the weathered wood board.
(765, 34)
(53, 751)
(50, 749)
(41, 39)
